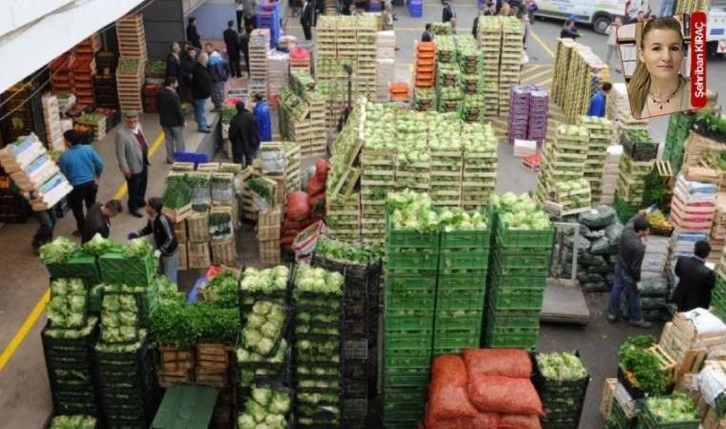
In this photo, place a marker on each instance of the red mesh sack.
(296, 225)
(297, 205)
(316, 186)
(513, 363)
(514, 421)
(321, 169)
(447, 393)
(481, 421)
(493, 394)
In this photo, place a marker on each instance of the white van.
(597, 13)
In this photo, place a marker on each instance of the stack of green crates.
(718, 298)
(515, 287)
(461, 288)
(679, 127)
(410, 293)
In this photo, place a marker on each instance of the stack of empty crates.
(104, 82)
(601, 135)
(489, 37)
(132, 61)
(511, 59)
(385, 60)
(53, 127)
(259, 69)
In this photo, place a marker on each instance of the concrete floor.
(24, 395)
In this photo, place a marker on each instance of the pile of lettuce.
(412, 211)
(57, 251)
(318, 281)
(67, 306)
(98, 245)
(672, 409)
(456, 219)
(73, 422)
(255, 366)
(138, 248)
(270, 280)
(264, 328)
(520, 212)
(119, 319)
(266, 408)
(564, 366)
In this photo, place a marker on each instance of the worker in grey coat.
(132, 151)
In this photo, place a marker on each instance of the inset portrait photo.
(655, 55)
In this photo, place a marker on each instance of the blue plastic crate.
(196, 158)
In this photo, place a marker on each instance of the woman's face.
(662, 53)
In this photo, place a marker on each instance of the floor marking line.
(541, 43)
(531, 78)
(39, 307)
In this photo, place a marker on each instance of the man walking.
(132, 152)
(244, 41)
(243, 135)
(173, 62)
(448, 12)
(627, 271)
(193, 36)
(219, 70)
(232, 41)
(263, 119)
(696, 280)
(99, 218)
(171, 117)
(201, 91)
(167, 248)
(83, 167)
(306, 19)
(599, 101)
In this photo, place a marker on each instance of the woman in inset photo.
(657, 86)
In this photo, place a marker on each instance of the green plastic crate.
(480, 240)
(78, 265)
(457, 259)
(118, 270)
(516, 299)
(523, 259)
(498, 336)
(514, 318)
(408, 319)
(407, 340)
(424, 300)
(517, 278)
(407, 359)
(396, 238)
(501, 270)
(443, 272)
(463, 300)
(411, 261)
(469, 321)
(523, 238)
(473, 280)
(412, 377)
(455, 341)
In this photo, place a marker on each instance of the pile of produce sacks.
(305, 208)
(597, 249)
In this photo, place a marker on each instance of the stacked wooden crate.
(489, 37)
(84, 68)
(618, 111)
(300, 60)
(366, 56)
(316, 146)
(281, 164)
(479, 174)
(259, 45)
(511, 59)
(579, 73)
(129, 81)
(302, 115)
(104, 82)
(717, 239)
(601, 135)
(131, 37)
(279, 72)
(269, 223)
(447, 168)
(377, 173)
(610, 174)
(53, 128)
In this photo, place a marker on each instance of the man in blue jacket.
(599, 101)
(219, 69)
(83, 167)
(263, 119)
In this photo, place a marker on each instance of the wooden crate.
(270, 252)
(213, 355)
(183, 257)
(198, 227)
(667, 363)
(199, 255)
(224, 252)
(180, 230)
(269, 223)
(212, 377)
(607, 397)
(168, 379)
(676, 343)
(174, 359)
(177, 215)
(712, 421)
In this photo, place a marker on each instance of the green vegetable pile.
(98, 245)
(176, 323)
(119, 319)
(345, 252)
(520, 212)
(561, 366)
(57, 251)
(72, 334)
(138, 248)
(642, 366)
(267, 407)
(267, 281)
(672, 409)
(264, 328)
(178, 191)
(73, 422)
(221, 290)
(255, 366)
(317, 281)
(412, 211)
(262, 188)
(455, 219)
(201, 193)
(220, 225)
(67, 306)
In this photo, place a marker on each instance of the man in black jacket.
(243, 135)
(98, 219)
(307, 15)
(193, 36)
(627, 271)
(696, 280)
(173, 62)
(244, 41)
(427, 36)
(167, 248)
(201, 91)
(189, 59)
(448, 12)
(232, 41)
(171, 118)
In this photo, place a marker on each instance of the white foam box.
(524, 147)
